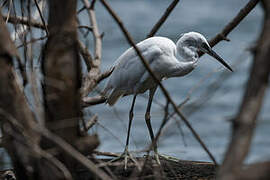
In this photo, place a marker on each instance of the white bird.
(166, 59)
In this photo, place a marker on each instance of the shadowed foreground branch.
(245, 121)
(17, 121)
(62, 78)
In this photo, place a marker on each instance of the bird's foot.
(169, 158)
(126, 155)
(156, 155)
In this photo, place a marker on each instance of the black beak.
(217, 57)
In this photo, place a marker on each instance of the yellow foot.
(126, 155)
(170, 158)
(157, 158)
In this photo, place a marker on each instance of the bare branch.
(233, 23)
(13, 102)
(41, 17)
(23, 21)
(90, 123)
(163, 18)
(89, 101)
(91, 79)
(25, 143)
(86, 55)
(86, 27)
(104, 75)
(62, 144)
(99, 153)
(260, 170)
(73, 153)
(32, 41)
(245, 121)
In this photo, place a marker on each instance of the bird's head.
(195, 41)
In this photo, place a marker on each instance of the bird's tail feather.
(114, 96)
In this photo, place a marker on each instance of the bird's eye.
(205, 46)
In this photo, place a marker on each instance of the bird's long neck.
(187, 59)
(182, 68)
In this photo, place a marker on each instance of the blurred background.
(215, 94)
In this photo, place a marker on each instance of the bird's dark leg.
(126, 154)
(148, 121)
(129, 127)
(130, 120)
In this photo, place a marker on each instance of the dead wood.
(245, 121)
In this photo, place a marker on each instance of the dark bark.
(16, 118)
(61, 68)
(245, 121)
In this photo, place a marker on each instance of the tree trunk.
(245, 121)
(62, 76)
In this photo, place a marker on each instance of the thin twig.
(89, 101)
(32, 41)
(88, 59)
(99, 153)
(85, 27)
(244, 123)
(38, 105)
(220, 36)
(165, 92)
(108, 130)
(29, 143)
(23, 21)
(91, 79)
(41, 17)
(162, 19)
(74, 153)
(90, 123)
(62, 144)
(226, 30)
(33, 23)
(104, 75)
(9, 9)
(233, 23)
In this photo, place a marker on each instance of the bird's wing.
(129, 68)
(162, 67)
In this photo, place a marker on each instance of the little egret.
(165, 59)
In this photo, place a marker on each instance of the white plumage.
(166, 59)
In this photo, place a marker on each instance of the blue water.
(211, 120)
